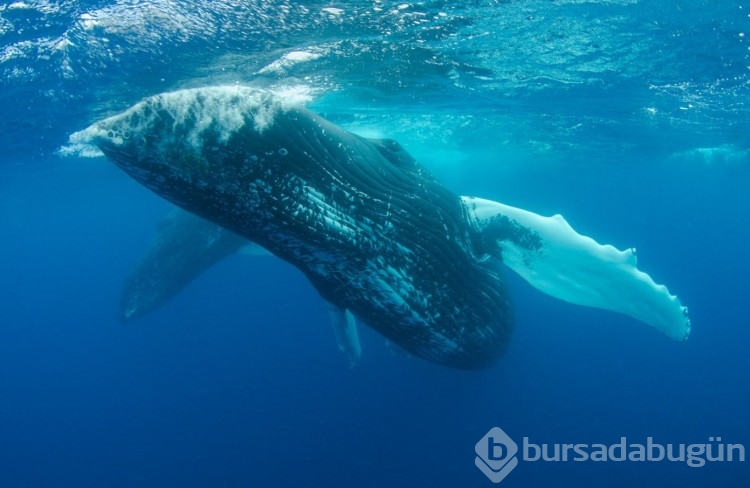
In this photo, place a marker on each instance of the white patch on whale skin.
(389, 287)
(333, 219)
(577, 269)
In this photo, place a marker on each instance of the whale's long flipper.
(555, 259)
(345, 327)
(184, 246)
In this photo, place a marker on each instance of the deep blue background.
(237, 381)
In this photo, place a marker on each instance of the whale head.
(198, 148)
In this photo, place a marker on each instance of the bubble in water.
(283, 151)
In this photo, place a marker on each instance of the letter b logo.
(496, 450)
(496, 455)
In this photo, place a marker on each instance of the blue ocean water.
(628, 117)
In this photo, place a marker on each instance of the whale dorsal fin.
(396, 154)
(549, 254)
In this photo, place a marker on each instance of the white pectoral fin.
(345, 328)
(549, 254)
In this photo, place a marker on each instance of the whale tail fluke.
(551, 256)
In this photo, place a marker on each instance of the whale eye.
(283, 151)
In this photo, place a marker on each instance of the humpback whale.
(376, 234)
